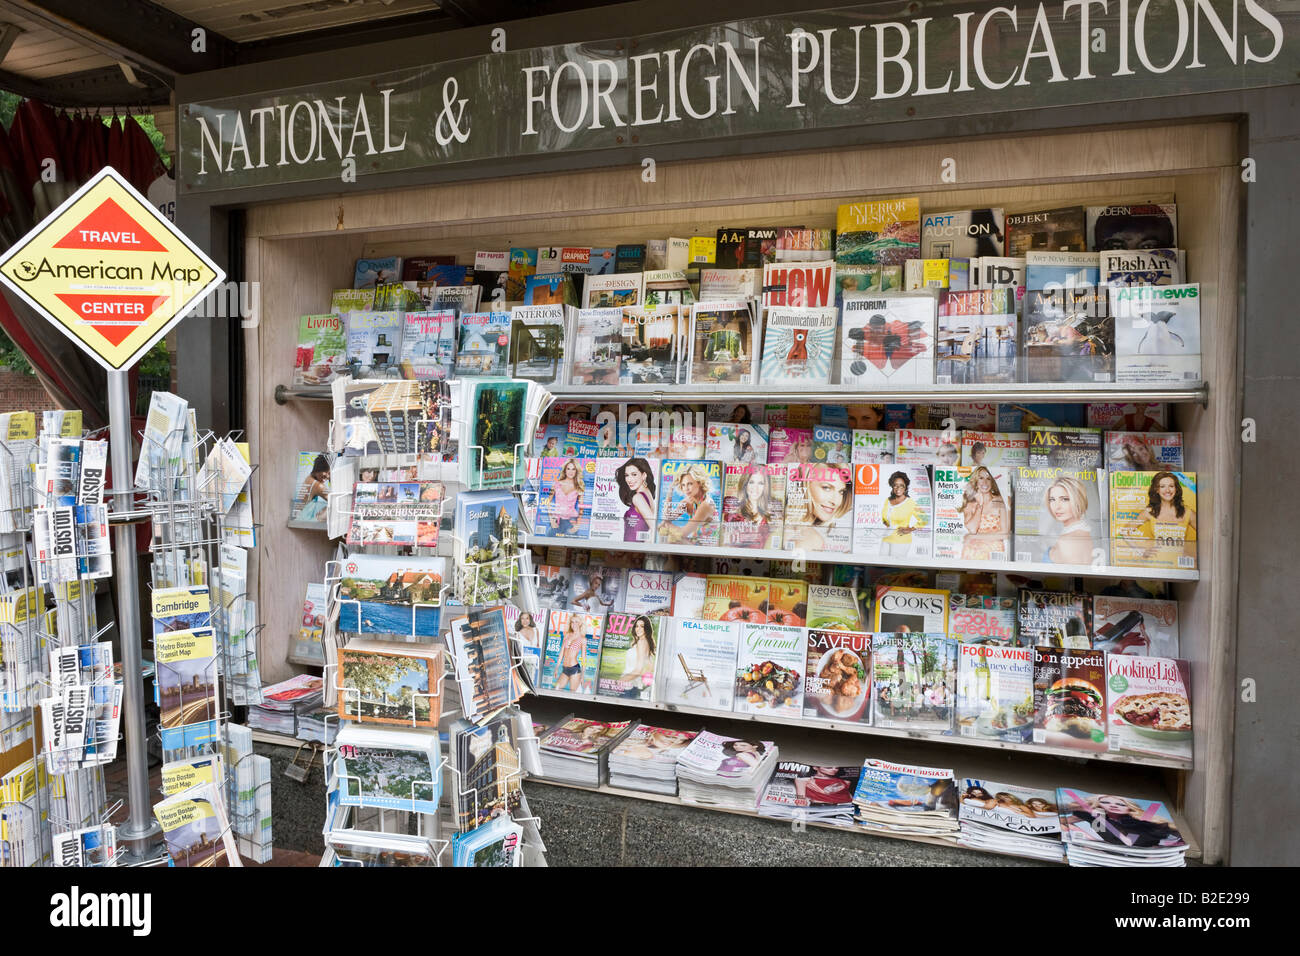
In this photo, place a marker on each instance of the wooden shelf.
(1034, 568)
(870, 731)
(305, 525)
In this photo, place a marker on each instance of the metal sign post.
(140, 833)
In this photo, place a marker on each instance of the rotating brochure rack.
(56, 667)
(216, 791)
(414, 637)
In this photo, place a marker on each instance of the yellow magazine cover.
(735, 598)
(878, 232)
(1153, 519)
(910, 610)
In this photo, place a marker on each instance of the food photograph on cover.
(455, 434)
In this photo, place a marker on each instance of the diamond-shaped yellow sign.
(109, 271)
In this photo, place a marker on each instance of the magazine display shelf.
(872, 731)
(831, 557)
(836, 394)
(921, 394)
(297, 247)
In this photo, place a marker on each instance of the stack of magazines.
(811, 794)
(283, 702)
(1102, 829)
(646, 759)
(575, 749)
(902, 799)
(1009, 819)
(724, 771)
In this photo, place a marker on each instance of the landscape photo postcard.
(382, 594)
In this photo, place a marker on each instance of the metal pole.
(140, 831)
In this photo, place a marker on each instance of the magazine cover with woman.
(892, 511)
(311, 487)
(1144, 451)
(972, 513)
(736, 441)
(1153, 519)
(564, 498)
(818, 508)
(572, 652)
(1058, 516)
(753, 506)
(1122, 822)
(1009, 807)
(628, 656)
(624, 499)
(690, 502)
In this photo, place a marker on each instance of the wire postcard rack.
(363, 827)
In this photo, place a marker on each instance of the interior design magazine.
(723, 340)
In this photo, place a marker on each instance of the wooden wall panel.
(297, 279)
(846, 173)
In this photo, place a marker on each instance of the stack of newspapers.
(907, 800)
(1010, 819)
(724, 771)
(1103, 829)
(646, 759)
